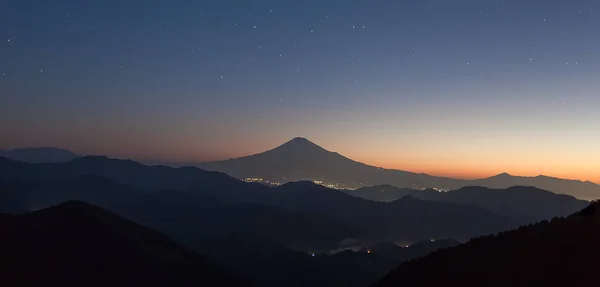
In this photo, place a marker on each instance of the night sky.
(459, 88)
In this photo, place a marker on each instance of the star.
(468, 63)
(42, 70)
(353, 27)
(8, 40)
(122, 67)
(271, 10)
(530, 59)
(312, 31)
(3, 74)
(254, 26)
(363, 26)
(280, 55)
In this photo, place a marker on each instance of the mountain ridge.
(558, 252)
(300, 159)
(39, 154)
(78, 244)
(443, 219)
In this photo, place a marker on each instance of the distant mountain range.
(300, 159)
(77, 244)
(41, 185)
(529, 204)
(39, 155)
(561, 252)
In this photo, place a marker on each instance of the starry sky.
(464, 88)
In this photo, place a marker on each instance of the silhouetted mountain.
(525, 204)
(187, 217)
(39, 155)
(270, 264)
(560, 252)
(76, 244)
(419, 249)
(580, 189)
(384, 193)
(382, 221)
(300, 159)
(136, 175)
(405, 219)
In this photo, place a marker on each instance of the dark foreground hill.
(562, 252)
(270, 264)
(77, 244)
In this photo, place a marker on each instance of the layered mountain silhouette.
(77, 244)
(39, 155)
(270, 264)
(383, 193)
(560, 252)
(185, 216)
(136, 175)
(528, 204)
(407, 219)
(299, 159)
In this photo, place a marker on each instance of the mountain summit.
(296, 160)
(300, 159)
(299, 147)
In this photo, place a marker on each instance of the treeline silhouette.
(557, 252)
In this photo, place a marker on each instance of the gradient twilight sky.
(465, 88)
